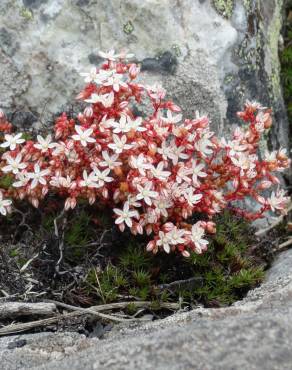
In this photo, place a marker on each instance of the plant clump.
(161, 175)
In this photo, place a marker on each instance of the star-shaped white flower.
(110, 55)
(83, 135)
(89, 181)
(121, 126)
(163, 241)
(170, 118)
(102, 176)
(140, 163)
(176, 152)
(125, 215)
(192, 198)
(197, 234)
(22, 180)
(116, 81)
(119, 144)
(277, 200)
(146, 193)
(176, 236)
(4, 205)
(161, 206)
(106, 99)
(197, 172)
(204, 145)
(12, 141)
(38, 176)
(89, 76)
(109, 161)
(14, 164)
(159, 173)
(44, 144)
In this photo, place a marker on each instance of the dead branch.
(16, 309)
(283, 246)
(17, 328)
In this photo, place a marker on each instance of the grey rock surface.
(255, 333)
(211, 55)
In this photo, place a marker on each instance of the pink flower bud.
(133, 71)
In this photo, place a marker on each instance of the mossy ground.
(101, 265)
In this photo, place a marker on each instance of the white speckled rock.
(211, 55)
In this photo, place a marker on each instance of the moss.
(128, 28)
(224, 7)
(6, 181)
(218, 277)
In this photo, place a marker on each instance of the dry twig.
(17, 328)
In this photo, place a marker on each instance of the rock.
(254, 333)
(210, 55)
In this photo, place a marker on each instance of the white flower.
(109, 161)
(176, 236)
(234, 146)
(119, 144)
(91, 76)
(83, 135)
(110, 55)
(176, 152)
(192, 198)
(203, 144)
(278, 201)
(121, 126)
(196, 236)
(146, 193)
(4, 205)
(22, 180)
(161, 206)
(183, 174)
(197, 172)
(271, 156)
(244, 162)
(164, 150)
(14, 164)
(89, 180)
(135, 124)
(116, 81)
(44, 144)
(140, 163)
(106, 99)
(67, 182)
(38, 176)
(159, 173)
(102, 176)
(170, 118)
(163, 241)
(12, 141)
(125, 215)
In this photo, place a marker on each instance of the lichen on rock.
(224, 7)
